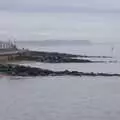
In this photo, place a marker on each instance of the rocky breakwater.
(43, 53)
(54, 57)
(18, 70)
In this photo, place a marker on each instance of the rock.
(54, 57)
(18, 70)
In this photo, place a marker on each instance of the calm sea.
(63, 98)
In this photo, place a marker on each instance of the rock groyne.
(19, 70)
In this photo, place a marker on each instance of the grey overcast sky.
(59, 5)
(60, 19)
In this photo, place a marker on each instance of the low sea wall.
(7, 58)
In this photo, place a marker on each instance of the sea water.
(64, 98)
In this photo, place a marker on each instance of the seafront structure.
(8, 51)
(7, 45)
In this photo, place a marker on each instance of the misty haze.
(60, 60)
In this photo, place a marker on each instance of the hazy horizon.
(74, 19)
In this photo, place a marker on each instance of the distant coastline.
(58, 42)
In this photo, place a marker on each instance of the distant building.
(7, 45)
(8, 51)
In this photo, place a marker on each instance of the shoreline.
(48, 57)
(56, 57)
(27, 71)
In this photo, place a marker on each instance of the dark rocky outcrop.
(18, 70)
(57, 54)
(53, 57)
